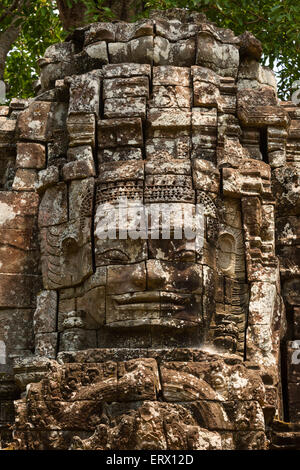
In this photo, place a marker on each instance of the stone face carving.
(149, 342)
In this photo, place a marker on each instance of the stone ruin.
(148, 343)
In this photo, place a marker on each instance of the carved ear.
(226, 253)
(2, 352)
(70, 244)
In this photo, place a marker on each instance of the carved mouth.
(151, 301)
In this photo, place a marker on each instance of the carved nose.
(156, 275)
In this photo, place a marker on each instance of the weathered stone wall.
(154, 344)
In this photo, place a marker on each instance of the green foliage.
(40, 28)
(275, 23)
(96, 10)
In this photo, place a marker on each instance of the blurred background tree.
(28, 27)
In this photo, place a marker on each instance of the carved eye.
(185, 255)
(115, 255)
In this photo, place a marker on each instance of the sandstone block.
(18, 209)
(16, 325)
(120, 132)
(126, 70)
(250, 46)
(175, 31)
(126, 87)
(122, 279)
(128, 31)
(137, 50)
(180, 53)
(46, 344)
(171, 75)
(125, 107)
(99, 32)
(18, 290)
(61, 51)
(7, 130)
(204, 133)
(53, 70)
(171, 97)
(78, 170)
(85, 93)
(222, 58)
(286, 189)
(18, 256)
(30, 155)
(252, 179)
(94, 317)
(164, 149)
(44, 318)
(34, 123)
(47, 178)
(98, 51)
(25, 180)
(206, 177)
(4, 110)
(119, 154)
(175, 166)
(81, 196)
(53, 207)
(81, 129)
(163, 122)
(77, 339)
(121, 171)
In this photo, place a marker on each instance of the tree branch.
(71, 17)
(8, 11)
(7, 38)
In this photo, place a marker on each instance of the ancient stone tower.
(150, 343)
